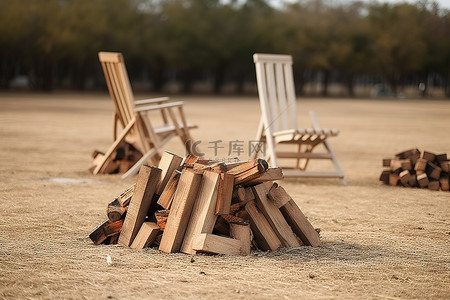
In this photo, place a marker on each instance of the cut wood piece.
(104, 230)
(429, 156)
(168, 164)
(189, 161)
(203, 215)
(444, 183)
(396, 165)
(241, 232)
(384, 177)
(125, 197)
(274, 216)
(161, 218)
(434, 185)
(249, 195)
(216, 244)
(404, 177)
(441, 157)
(445, 166)
(300, 224)
(271, 174)
(250, 174)
(393, 179)
(144, 191)
(146, 235)
(387, 162)
(421, 165)
(422, 180)
(115, 211)
(278, 195)
(411, 153)
(433, 171)
(264, 235)
(412, 180)
(113, 239)
(165, 200)
(225, 193)
(181, 209)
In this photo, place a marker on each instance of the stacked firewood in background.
(412, 168)
(191, 205)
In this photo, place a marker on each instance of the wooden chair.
(132, 116)
(278, 123)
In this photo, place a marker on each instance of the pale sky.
(442, 3)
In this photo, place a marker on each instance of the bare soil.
(379, 242)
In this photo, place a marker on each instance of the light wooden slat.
(281, 93)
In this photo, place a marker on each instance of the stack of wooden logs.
(193, 205)
(412, 168)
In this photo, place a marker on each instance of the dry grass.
(379, 242)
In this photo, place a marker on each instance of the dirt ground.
(379, 242)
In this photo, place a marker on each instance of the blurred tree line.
(54, 43)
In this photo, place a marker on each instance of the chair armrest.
(158, 106)
(151, 101)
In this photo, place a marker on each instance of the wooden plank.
(203, 215)
(244, 167)
(275, 217)
(216, 244)
(104, 230)
(169, 162)
(300, 224)
(404, 177)
(433, 185)
(264, 235)
(146, 235)
(445, 166)
(384, 176)
(165, 200)
(421, 165)
(422, 180)
(444, 182)
(145, 188)
(225, 193)
(394, 179)
(433, 171)
(429, 156)
(271, 174)
(181, 209)
(278, 195)
(249, 174)
(241, 232)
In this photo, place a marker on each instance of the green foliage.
(54, 42)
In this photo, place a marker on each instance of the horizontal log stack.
(194, 206)
(413, 168)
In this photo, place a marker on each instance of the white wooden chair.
(278, 124)
(131, 115)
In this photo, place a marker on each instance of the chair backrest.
(276, 91)
(119, 86)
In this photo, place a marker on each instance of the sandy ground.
(379, 242)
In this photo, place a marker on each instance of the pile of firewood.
(412, 168)
(193, 205)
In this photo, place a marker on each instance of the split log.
(161, 218)
(168, 164)
(264, 235)
(241, 232)
(275, 218)
(146, 235)
(105, 230)
(180, 211)
(146, 183)
(165, 200)
(203, 215)
(115, 211)
(216, 244)
(225, 193)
